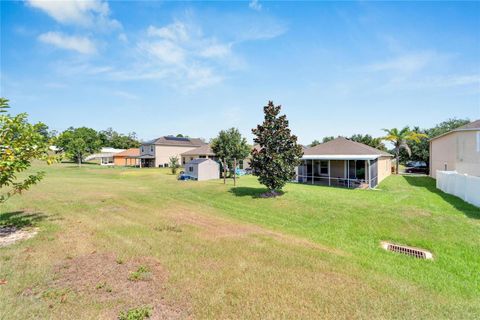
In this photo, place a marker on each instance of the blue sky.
(160, 68)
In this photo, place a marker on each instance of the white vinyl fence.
(461, 185)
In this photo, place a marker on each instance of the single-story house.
(205, 152)
(128, 157)
(203, 169)
(457, 150)
(105, 156)
(343, 162)
(157, 152)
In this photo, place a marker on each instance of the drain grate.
(409, 251)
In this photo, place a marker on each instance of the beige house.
(157, 153)
(457, 150)
(203, 169)
(205, 152)
(344, 163)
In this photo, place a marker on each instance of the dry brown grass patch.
(100, 277)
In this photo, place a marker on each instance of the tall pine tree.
(275, 161)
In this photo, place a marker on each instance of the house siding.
(384, 168)
(458, 150)
(120, 161)
(163, 153)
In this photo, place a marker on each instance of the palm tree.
(400, 139)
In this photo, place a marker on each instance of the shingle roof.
(203, 150)
(132, 152)
(343, 146)
(176, 141)
(472, 126)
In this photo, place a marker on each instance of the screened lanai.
(349, 173)
(343, 163)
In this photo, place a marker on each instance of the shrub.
(142, 273)
(139, 313)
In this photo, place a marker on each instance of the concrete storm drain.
(409, 251)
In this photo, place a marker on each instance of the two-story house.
(157, 152)
(457, 150)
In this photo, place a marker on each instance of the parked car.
(416, 167)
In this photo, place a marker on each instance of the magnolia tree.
(20, 143)
(278, 155)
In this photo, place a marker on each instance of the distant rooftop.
(472, 126)
(203, 150)
(176, 141)
(344, 147)
(132, 152)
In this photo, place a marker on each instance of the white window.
(151, 148)
(142, 149)
(190, 169)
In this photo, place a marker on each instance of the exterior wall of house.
(468, 152)
(246, 163)
(163, 153)
(384, 168)
(120, 161)
(147, 149)
(337, 168)
(459, 151)
(442, 154)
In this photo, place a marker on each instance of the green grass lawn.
(111, 239)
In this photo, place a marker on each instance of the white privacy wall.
(461, 185)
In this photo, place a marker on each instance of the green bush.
(142, 273)
(139, 313)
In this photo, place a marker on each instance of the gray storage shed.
(203, 169)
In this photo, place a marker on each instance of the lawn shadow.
(428, 183)
(249, 192)
(22, 219)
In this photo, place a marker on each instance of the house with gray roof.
(157, 152)
(343, 162)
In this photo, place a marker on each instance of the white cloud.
(125, 94)
(255, 5)
(91, 13)
(405, 64)
(179, 51)
(76, 43)
(179, 54)
(176, 31)
(216, 51)
(123, 37)
(164, 51)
